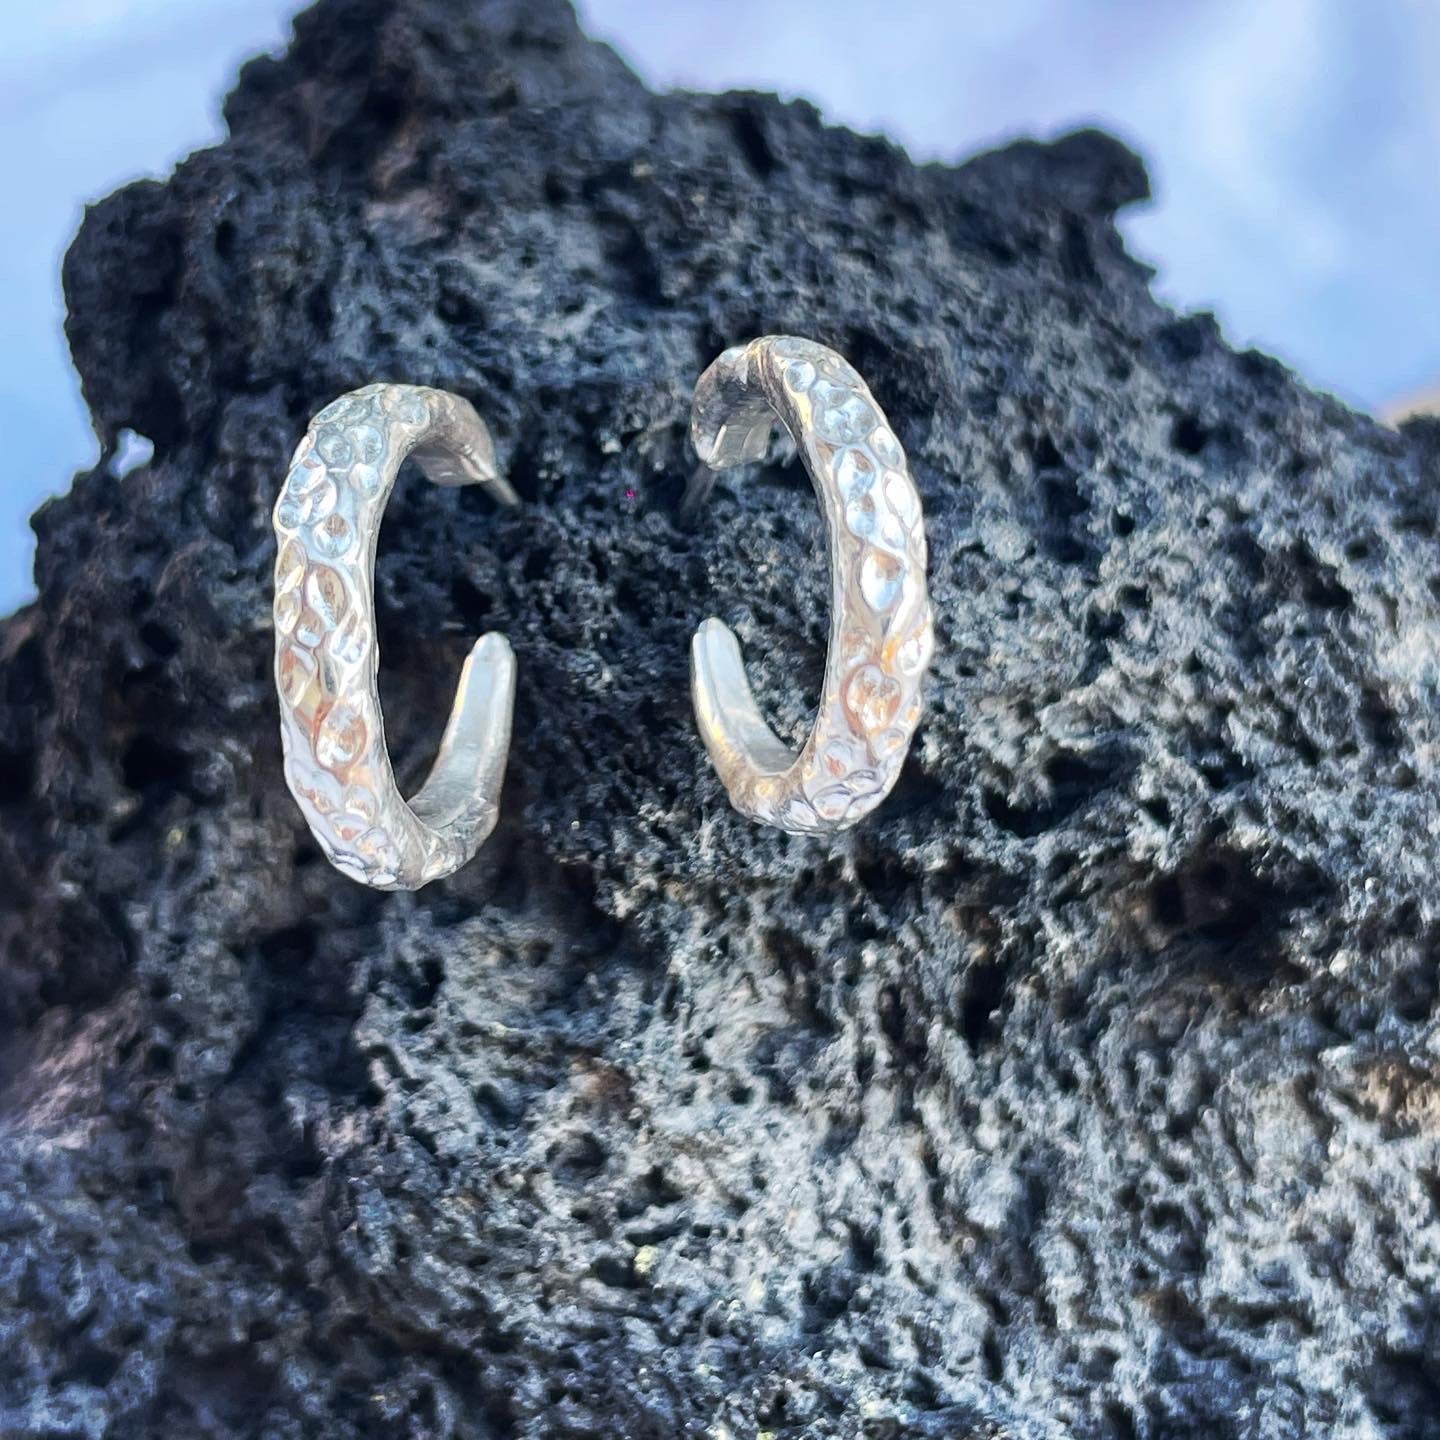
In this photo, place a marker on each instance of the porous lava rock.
(1088, 1089)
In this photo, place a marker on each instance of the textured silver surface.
(327, 659)
(880, 627)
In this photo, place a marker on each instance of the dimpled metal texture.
(327, 519)
(880, 626)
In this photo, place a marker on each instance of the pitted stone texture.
(1087, 1089)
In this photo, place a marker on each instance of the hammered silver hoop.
(880, 625)
(327, 660)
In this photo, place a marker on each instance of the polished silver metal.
(881, 634)
(327, 660)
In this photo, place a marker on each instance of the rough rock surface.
(1092, 1088)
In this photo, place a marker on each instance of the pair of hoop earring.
(327, 520)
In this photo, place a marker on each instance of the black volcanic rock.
(1091, 1088)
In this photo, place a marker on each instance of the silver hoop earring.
(880, 625)
(327, 661)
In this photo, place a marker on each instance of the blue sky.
(1294, 146)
